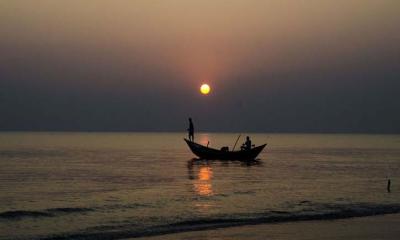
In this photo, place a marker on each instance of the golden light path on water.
(203, 185)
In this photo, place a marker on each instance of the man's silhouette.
(246, 145)
(191, 130)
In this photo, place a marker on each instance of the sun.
(205, 89)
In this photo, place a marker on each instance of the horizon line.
(200, 132)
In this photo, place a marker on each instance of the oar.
(236, 142)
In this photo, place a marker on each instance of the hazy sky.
(274, 66)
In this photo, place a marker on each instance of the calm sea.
(121, 185)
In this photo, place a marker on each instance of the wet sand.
(366, 228)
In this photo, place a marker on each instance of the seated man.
(246, 145)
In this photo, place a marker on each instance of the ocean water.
(126, 185)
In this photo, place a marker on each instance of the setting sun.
(205, 89)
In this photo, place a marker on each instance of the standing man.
(191, 130)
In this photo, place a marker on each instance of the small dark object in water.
(388, 185)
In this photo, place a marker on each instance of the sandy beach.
(367, 228)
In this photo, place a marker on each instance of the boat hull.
(215, 154)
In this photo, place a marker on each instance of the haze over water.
(119, 185)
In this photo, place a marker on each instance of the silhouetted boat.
(204, 152)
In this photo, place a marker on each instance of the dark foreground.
(384, 227)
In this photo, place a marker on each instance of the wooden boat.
(204, 152)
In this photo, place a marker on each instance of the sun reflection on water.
(202, 185)
(204, 139)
